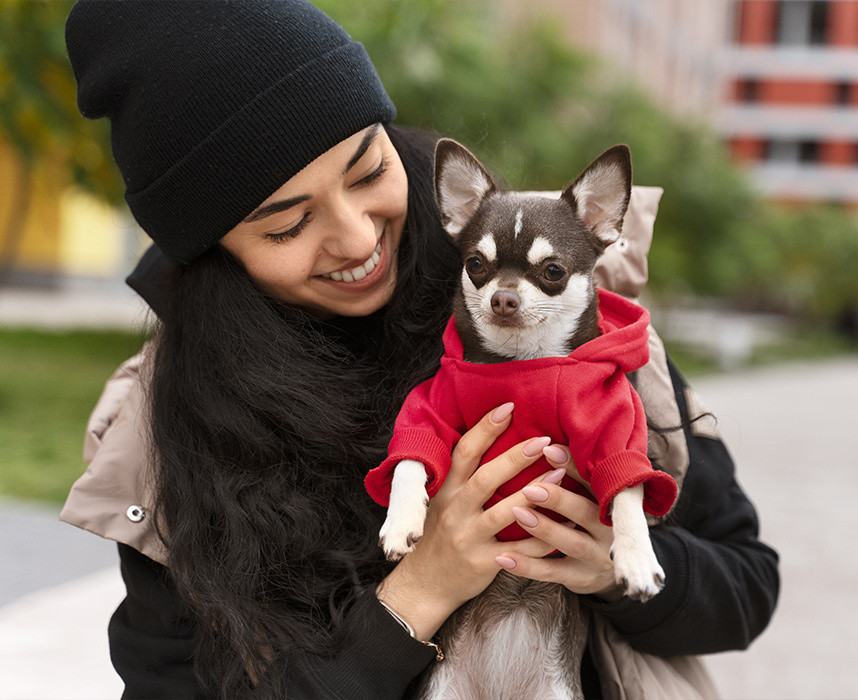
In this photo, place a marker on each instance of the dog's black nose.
(505, 302)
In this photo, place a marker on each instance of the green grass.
(802, 344)
(49, 383)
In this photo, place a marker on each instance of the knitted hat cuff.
(187, 209)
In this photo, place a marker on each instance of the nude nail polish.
(537, 494)
(505, 562)
(554, 477)
(525, 517)
(535, 446)
(556, 454)
(500, 414)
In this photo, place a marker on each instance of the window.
(748, 90)
(785, 152)
(802, 23)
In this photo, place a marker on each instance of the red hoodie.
(583, 400)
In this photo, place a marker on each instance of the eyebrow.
(284, 204)
(365, 143)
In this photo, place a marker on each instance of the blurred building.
(778, 79)
(791, 109)
(53, 235)
(671, 48)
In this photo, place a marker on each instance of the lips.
(356, 274)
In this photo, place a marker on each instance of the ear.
(600, 196)
(461, 183)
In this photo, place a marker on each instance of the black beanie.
(214, 104)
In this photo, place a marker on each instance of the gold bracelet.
(439, 654)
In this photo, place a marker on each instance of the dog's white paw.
(407, 510)
(636, 568)
(402, 528)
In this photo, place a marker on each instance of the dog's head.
(527, 283)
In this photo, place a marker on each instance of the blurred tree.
(38, 97)
(39, 116)
(533, 108)
(537, 110)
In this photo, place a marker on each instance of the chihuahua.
(530, 327)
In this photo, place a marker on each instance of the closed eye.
(374, 175)
(281, 236)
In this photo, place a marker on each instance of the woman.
(302, 280)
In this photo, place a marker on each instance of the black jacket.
(721, 589)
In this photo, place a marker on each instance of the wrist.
(420, 608)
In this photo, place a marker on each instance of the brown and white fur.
(526, 291)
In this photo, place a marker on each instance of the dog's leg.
(635, 565)
(407, 511)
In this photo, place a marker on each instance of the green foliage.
(38, 97)
(534, 109)
(49, 383)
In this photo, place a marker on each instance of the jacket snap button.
(622, 244)
(135, 514)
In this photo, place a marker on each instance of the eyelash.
(291, 233)
(375, 174)
(295, 230)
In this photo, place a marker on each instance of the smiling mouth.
(357, 273)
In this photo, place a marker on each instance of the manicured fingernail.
(554, 477)
(501, 413)
(535, 446)
(556, 454)
(525, 517)
(537, 494)
(505, 562)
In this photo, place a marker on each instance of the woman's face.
(327, 240)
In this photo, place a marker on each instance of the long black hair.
(265, 420)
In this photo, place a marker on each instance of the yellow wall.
(66, 230)
(39, 247)
(91, 236)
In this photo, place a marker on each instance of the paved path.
(794, 434)
(793, 431)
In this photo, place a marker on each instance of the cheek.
(393, 195)
(279, 269)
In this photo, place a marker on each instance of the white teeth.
(359, 272)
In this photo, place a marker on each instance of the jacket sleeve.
(152, 646)
(427, 428)
(722, 582)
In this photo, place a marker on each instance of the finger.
(474, 443)
(559, 456)
(565, 537)
(534, 568)
(531, 547)
(490, 476)
(498, 516)
(577, 508)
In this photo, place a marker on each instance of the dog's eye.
(474, 266)
(553, 273)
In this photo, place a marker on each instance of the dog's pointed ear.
(600, 196)
(461, 184)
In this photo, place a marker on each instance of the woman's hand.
(586, 542)
(456, 558)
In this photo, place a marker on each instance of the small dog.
(526, 328)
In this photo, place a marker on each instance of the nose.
(505, 302)
(353, 234)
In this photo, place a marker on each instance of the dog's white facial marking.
(545, 322)
(488, 247)
(518, 224)
(540, 249)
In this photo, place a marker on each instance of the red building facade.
(791, 112)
